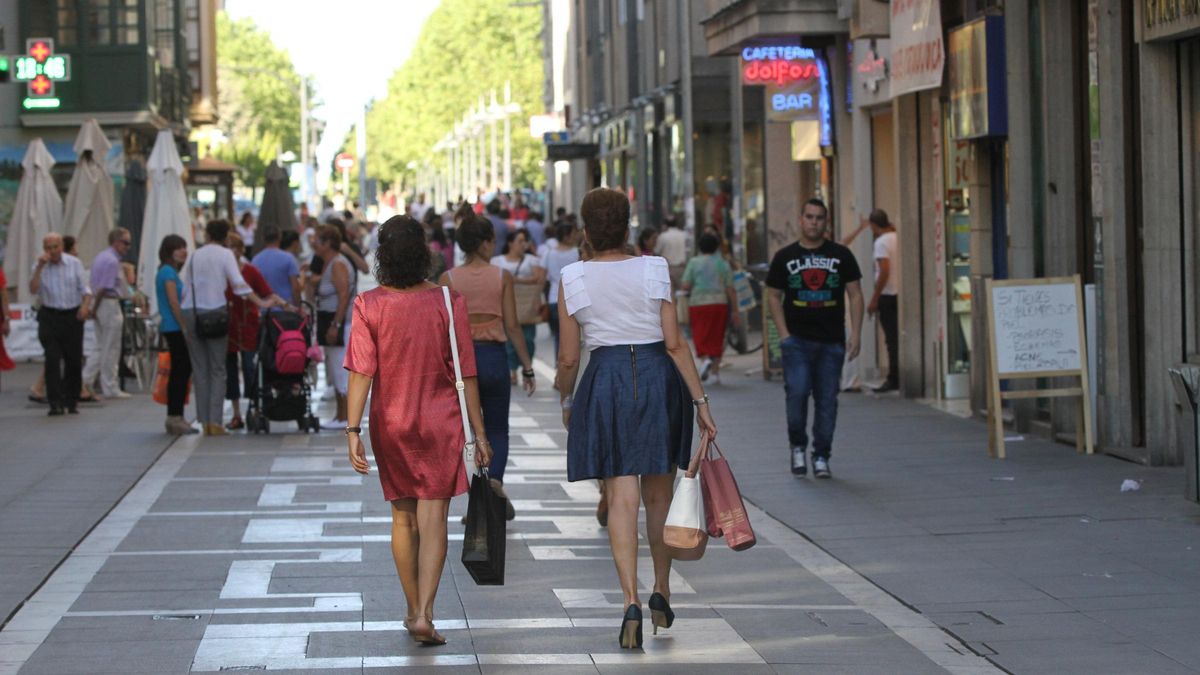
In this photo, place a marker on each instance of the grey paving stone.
(67, 658)
(538, 670)
(1083, 656)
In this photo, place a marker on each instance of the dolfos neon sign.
(779, 65)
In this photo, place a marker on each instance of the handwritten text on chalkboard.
(1037, 328)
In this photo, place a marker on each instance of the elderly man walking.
(108, 288)
(64, 302)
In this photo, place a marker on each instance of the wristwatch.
(353, 430)
(700, 401)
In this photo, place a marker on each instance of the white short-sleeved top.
(619, 302)
(206, 274)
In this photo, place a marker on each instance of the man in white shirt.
(64, 303)
(672, 245)
(884, 301)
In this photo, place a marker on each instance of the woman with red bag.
(629, 419)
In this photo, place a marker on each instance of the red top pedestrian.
(5, 362)
(398, 339)
(243, 314)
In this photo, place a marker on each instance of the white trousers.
(107, 357)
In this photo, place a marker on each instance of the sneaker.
(821, 468)
(705, 367)
(714, 377)
(886, 387)
(119, 394)
(799, 462)
(333, 425)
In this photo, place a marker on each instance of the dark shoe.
(55, 411)
(38, 399)
(90, 398)
(630, 636)
(498, 488)
(821, 468)
(660, 612)
(799, 462)
(72, 410)
(235, 424)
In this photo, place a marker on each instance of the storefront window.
(754, 206)
(959, 160)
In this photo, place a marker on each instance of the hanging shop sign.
(779, 65)
(977, 80)
(1167, 19)
(918, 55)
(40, 68)
(871, 75)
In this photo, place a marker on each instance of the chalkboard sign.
(1036, 331)
(1036, 328)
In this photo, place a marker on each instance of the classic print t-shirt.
(813, 282)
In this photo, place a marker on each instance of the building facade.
(136, 66)
(1020, 139)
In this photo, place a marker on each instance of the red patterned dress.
(5, 362)
(401, 339)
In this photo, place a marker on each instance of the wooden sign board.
(772, 352)
(1036, 330)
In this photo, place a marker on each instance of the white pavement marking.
(38, 616)
(911, 626)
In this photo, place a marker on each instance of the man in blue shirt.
(278, 267)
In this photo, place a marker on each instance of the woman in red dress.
(5, 321)
(399, 351)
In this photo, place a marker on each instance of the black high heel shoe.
(660, 612)
(631, 628)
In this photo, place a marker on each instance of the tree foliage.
(465, 50)
(260, 98)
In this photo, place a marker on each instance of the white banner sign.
(918, 55)
(22, 342)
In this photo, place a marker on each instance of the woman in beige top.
(492, 305)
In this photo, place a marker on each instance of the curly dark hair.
(473, 233)
(605, 214)
(402, 259)
(216, 229)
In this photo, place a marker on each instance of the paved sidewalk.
(268, 552)
(921, 555)
(1038, 562)
(60, 475)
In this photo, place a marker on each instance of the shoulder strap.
(469, 446)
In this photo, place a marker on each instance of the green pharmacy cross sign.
(40, 68)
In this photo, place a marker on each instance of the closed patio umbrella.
(277, 207)
(133, 206)
(166, 211)
(38, 211)
(88, 215)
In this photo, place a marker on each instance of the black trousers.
(181, 372)
(889, 318)
(61, 333)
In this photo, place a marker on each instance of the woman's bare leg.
(404, 550)
(431, 524)
(656, 495)
(623, 504)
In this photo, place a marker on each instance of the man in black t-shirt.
(809, 284)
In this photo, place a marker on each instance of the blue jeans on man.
(812, 369)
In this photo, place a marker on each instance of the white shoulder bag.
(468, 434)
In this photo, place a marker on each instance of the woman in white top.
(630, 417)
(564, 252)
(528, 279)
(205, 276)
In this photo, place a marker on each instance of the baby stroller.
(285, 340)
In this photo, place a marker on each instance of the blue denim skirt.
(631, 415)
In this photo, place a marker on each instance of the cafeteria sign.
(794, 79)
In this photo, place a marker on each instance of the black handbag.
(485, 540)
(486, 535)
(210, 323)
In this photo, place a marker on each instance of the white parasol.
(166, 210)
(89, 212)
(37, 212)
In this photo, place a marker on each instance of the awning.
(741, 21)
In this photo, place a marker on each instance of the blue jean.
(495, 392)
(812, 368)
(249, 374)
(530, 332)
